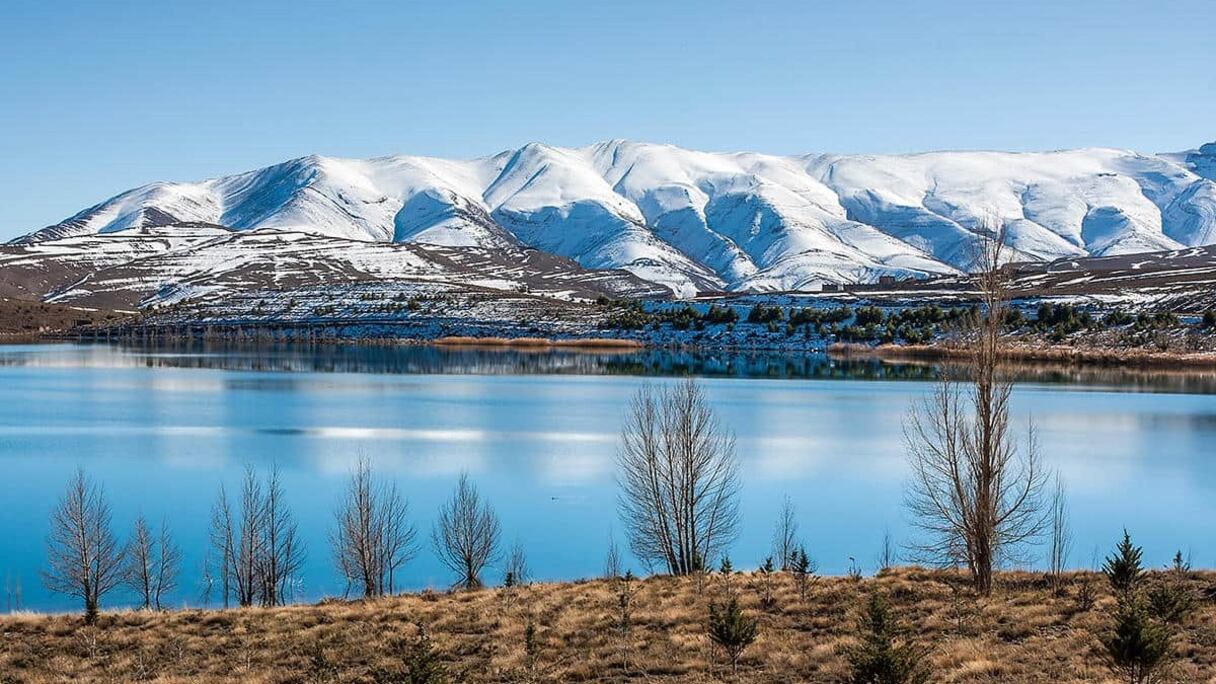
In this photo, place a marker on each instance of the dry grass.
(1022, 633)
(587, 342)
(24, 320)
(1065, 355)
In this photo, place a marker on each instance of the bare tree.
(886, 553)
(168, 562)
(679, 480)
(223, 545)
(517, 571)
(248, 549)
(282, 555)
(139, 570)
(152, 564)
(12, 593)
(785, 536)
(374, 536)
(206, 580)
(975, 492)
(466, 535)
(85, 559)
(1061, 535)
(612, 559)
(258, 544)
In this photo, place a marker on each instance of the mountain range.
(685, 220)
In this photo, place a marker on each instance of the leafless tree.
(152, 564)
(1061, 535)
(517, 564)
(258, 544)
(140, 560)
(785, 536)
(168, 562)
(466, 535)
(12, 593)
(612, 559)
(374, 536)
(248, 550)
(886, 553)
(223, 544)
(206, 580)
(679, 480)
(975, 492)
(84, 557)
(282, 555)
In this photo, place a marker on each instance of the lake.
(162, 428)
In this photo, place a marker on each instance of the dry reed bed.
(1023, 353)
(585, 342)
(1023, 633)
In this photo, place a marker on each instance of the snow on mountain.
(701, 221)
(169, 264)
(1203, 161)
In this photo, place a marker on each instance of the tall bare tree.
(258, 544)
(168, 562)
(374, 536)
(679, 479)
(152, 564)
(248, 550)
(976, 493)
(785, 535)
(85, 558)
(466, 535)
(282, 554)
(223, 544)
(140, 555)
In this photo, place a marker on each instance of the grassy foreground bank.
(1022, 633)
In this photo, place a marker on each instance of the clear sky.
(97, 97)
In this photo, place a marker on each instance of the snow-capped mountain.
(703, 221)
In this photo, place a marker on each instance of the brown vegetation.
(1022, 352)
(1023, 632)
(588, 342)
(20, 318)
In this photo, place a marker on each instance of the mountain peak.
(694, 220)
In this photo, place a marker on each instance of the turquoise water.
(537, 432)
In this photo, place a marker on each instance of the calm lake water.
(162, 429)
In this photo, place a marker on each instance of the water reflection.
(427, 360)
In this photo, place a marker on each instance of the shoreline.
(1063, 356)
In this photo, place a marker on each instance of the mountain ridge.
(694, 221)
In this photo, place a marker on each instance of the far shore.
(1070, 356)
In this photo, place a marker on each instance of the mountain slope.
(169, 264)
(694, 221)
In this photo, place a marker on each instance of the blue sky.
(97, 97)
